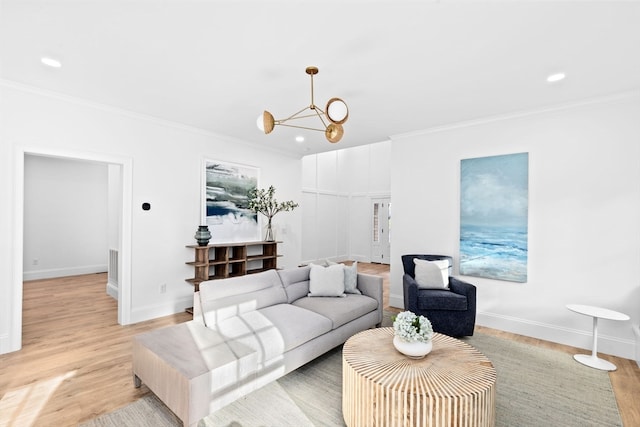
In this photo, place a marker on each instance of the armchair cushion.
(432, 274)
(436, 299)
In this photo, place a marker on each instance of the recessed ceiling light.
(556, 77)
(299, 138)
(51, 62)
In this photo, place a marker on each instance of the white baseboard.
(317, 261)
(567, 336)
(338, 258)
(341, 258)
(149, 312)
(4, 344)
(64, 272)
(112, 290)
(396, 301)
(360, 258)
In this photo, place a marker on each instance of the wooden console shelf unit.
(222, 260)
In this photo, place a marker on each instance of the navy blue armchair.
(451, 312)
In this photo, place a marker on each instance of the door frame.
(124, 292)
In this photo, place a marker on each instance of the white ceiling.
(401, 66)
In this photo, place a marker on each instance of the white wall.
(65, 217)
(584, 216)
(166, 164)
(336, 209)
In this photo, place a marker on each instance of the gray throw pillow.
(350, 277)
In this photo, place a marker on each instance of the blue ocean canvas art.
(494, 204)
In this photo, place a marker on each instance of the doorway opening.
(124, 168)
(66, 218)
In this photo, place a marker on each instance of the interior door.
(381, 233)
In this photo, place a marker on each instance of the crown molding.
(521, 114)
(138, 116)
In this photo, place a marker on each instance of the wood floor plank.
(75, 363)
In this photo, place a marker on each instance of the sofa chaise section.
(264, 324)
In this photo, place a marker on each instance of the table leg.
(593, 360)
(594, 345)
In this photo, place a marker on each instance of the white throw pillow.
(326, 281)
(350, 277)
(432, 274)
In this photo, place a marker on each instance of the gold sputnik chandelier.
(336, 112)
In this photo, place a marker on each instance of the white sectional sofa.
(248, 331)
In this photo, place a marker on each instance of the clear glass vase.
(268, 235)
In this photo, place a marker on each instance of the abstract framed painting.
(225, 195)
(494, 205)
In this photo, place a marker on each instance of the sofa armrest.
(371, 286)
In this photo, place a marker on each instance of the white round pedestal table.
(597, 313)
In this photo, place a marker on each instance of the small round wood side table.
(454, 385)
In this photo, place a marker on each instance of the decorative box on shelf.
(222, 260)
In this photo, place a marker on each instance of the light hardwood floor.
(76, 360)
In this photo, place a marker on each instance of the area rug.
(535, 387)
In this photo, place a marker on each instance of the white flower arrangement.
(412, 328)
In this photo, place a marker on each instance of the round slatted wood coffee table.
(454, 385)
